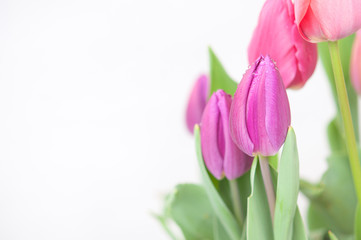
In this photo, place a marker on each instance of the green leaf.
(299, 232)
(287, 189)
(335, 137)
(259, 223)
(358, 223)
(219, 77)
(218, 230)
(244, 189)
(318, 219)
(191, 209)
(273, 162)
(220, 208)
(311, 190)
(334, 208)
(165, 219)
(332, 236)
(345, 50)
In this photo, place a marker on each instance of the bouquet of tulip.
(250, 187)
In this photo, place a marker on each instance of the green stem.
(346, 117)
(236, 201)
(268, 184)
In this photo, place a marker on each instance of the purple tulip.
(260, 112)
(221, 155)
(197, 102)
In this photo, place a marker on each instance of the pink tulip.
(277, 35)
(197, 102)
(326, 20)
(221, 155)
(260, 112)
(355, 65)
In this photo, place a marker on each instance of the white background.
(92, 100)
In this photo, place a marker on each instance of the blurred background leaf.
(191, 209)
(333, 207)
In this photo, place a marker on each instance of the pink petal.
(322, 20)
(277, 35)
(355, 65)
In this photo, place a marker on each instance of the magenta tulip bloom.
(325, 20)
(197, 102)
(277, 35)
(260, 112)
(355, 65)
(221, 155)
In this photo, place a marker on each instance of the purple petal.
(268, 113)
(278, 114)
(260, 113)
(238, 127)
(197, 102)
(209, 137)
(236, 163)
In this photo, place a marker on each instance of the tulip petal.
(197, 102)
(339, 18)
(310, 27)
(322, 20)
(260, 103)
(277, 35)
(355, 66)
(260, 113)
(209, 137)
(237, 120)
(306, 59)
(236, 163)
(278, 115)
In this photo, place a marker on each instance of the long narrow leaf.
(287, 189)
(259, 223)
(224, 214)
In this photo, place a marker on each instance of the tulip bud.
(260, 112)
(325, 20)
(277, 35)
(355, 65)
(197, 102)
(221, 155)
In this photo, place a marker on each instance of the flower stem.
(237, 208)
(267, 180)
(346, 117)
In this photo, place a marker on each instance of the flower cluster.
(243, 126)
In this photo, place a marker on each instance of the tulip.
(277, 35)
(260, 112)
(325, 20)
(355, 65)
(221, 155)
(197, 102)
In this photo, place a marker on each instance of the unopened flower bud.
(221, 155)
(260, 112)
